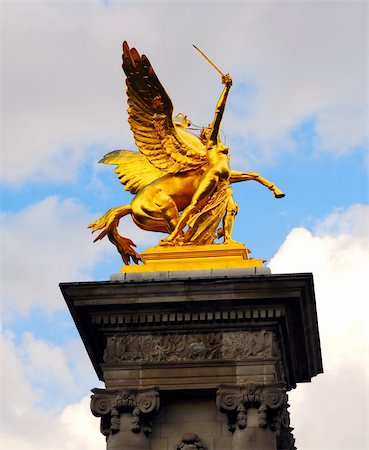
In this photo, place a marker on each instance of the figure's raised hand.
(227, 80)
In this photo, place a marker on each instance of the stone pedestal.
(197, 359)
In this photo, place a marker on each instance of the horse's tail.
(109, 223)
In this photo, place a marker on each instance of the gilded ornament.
(181, 181)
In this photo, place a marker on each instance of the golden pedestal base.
(188, 257)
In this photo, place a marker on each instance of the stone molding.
(190, 441)
(237, 345)
(284, 303)
(271, 402)
(142, 404)
(166, 318)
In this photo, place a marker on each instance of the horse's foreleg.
(236, 177)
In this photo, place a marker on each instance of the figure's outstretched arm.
(219, 110)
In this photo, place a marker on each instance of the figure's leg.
(206, 188)
(236, 177)
(228, 220)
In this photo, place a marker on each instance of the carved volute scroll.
(142, 404)
(271, 402)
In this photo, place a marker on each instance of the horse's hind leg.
(155, 213)
(109, 223)
(109, 220)
(168, 209)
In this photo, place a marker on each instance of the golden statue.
(181, 181)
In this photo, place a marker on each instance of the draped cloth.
(202, 226)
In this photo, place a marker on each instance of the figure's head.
(180, 120)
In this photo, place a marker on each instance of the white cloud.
(42, 245)
(47, 243)
(62, 84)
(337, 253)
(27, 426)
(334, 405)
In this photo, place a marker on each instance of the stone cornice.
(283, 303)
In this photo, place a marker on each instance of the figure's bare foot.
(172, 240)
(166, 243)
(231, 241)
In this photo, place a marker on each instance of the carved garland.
(190, 441)
(109, 404)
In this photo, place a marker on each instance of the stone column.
(126, 416)
(257, 416)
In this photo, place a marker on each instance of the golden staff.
(209, 61)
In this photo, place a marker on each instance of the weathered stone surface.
(112, 405)
(188, 334)
(176, 309)
(235, 346)
(190, 274)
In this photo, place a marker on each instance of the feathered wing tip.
(133, 169)
(150, 115)
(111, 157)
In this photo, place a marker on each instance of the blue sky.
(297, 114)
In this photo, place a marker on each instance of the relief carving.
(109, 404)
(270, 401)
(192, 347)
(190, 441)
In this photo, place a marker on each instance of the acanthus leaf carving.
(270, 401)
(109, 404)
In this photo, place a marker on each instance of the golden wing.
(169, 148)
(133, 169)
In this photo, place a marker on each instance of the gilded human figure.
(181, 181)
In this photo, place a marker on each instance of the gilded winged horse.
(181, 181)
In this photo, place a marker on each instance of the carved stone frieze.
(142, 404)
(190, 441)
(240, 345)
(270, 401)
